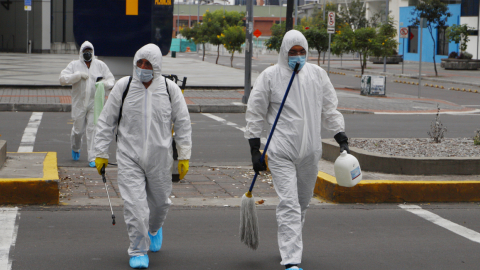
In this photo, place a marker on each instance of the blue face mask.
(292, 61)
(145, 75)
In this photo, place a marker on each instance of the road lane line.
(219, 119)
(28, 139)
(8, 235)
(447, 224)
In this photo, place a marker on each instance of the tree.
(317, 39)
(275, 40)
(216, 22)
(354, 14)
(361, 40)
(339, 46)
(196, 34)
(459, 34)
(435, 13)
(232, 38)
(385, 43)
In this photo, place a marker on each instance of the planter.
(460, 64)
(394, 59)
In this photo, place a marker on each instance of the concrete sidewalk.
(29, 70)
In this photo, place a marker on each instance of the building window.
(469, 8)
(412, 3)
(442, 41)
(413, 39)
(183, 23)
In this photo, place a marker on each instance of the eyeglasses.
(144, 63)
(295, 53)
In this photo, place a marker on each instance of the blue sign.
(28, 5)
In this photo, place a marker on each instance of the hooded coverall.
(144, 146)
(83, 96)
(296, 146)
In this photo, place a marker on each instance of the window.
(183, 23)
(469, 8)
(442, 41)
(413, 39)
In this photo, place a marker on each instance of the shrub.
(437, 130)
(453, 55)
(476, 138)
(465, 55)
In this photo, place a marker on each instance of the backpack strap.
(168, 92)
(121, 105)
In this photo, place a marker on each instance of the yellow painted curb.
(44, 190)
(389, 191)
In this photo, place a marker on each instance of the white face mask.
(145, 75)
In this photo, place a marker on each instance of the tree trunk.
(364, 62)
(231, 59)
(203, 44)
(434, 52)
(361, 62)
(318, 59)
(324, 58)
(218, 53)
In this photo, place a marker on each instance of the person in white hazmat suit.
(144, 148)
(82, 74)
(296, 146)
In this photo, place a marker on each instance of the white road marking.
(8, 235)
(447, 224)
(474, 112)
(219, 119)
(28, 139)
(238, 103)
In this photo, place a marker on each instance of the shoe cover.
(156, 241)
(92, 164)
(294, 268)
(75, 155)
(139, 262)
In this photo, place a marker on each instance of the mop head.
(248, 221)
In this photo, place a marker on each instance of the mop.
(248, 212)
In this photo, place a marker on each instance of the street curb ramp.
(390, 191)
(43, 190)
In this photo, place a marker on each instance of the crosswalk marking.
(8, 235)
(28, 139)
(447, 224)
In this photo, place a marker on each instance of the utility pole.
(248, 51)
(420, 60)
(296, 12)
(289, 18)
(198, 12)
(386, 21)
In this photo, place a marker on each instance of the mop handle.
(102, 170)
(262, 158)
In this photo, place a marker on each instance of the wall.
(13, 30)
(472, 46)
(427, 53)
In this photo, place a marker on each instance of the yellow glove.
(99, 163)
(183, 168)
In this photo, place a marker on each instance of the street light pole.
(178, 16)
(386, 21)
(324, 4)
(296, 12)
(198, 12)
(248, 51)
(420, 61)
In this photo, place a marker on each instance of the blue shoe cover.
(139, 262)
(92, 164)
(75, 155)
(294, 269)
(156, 241)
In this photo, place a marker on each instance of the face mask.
(292, 61)
(145, 75)
(87, 56)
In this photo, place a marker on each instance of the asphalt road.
(335, 237)
(217, 143)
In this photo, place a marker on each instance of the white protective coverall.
(296, 146)
(144, 146)
(83, 96)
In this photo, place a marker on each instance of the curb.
(405, 165)
(410, 76)
(389, 191)
(43, 190)
(31, 107)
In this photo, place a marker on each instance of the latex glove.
(84, 75)
(183, 167)
(258, 165)
(99, 162)
(342, 141)
(97, 83)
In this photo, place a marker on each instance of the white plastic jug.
(347, 170)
